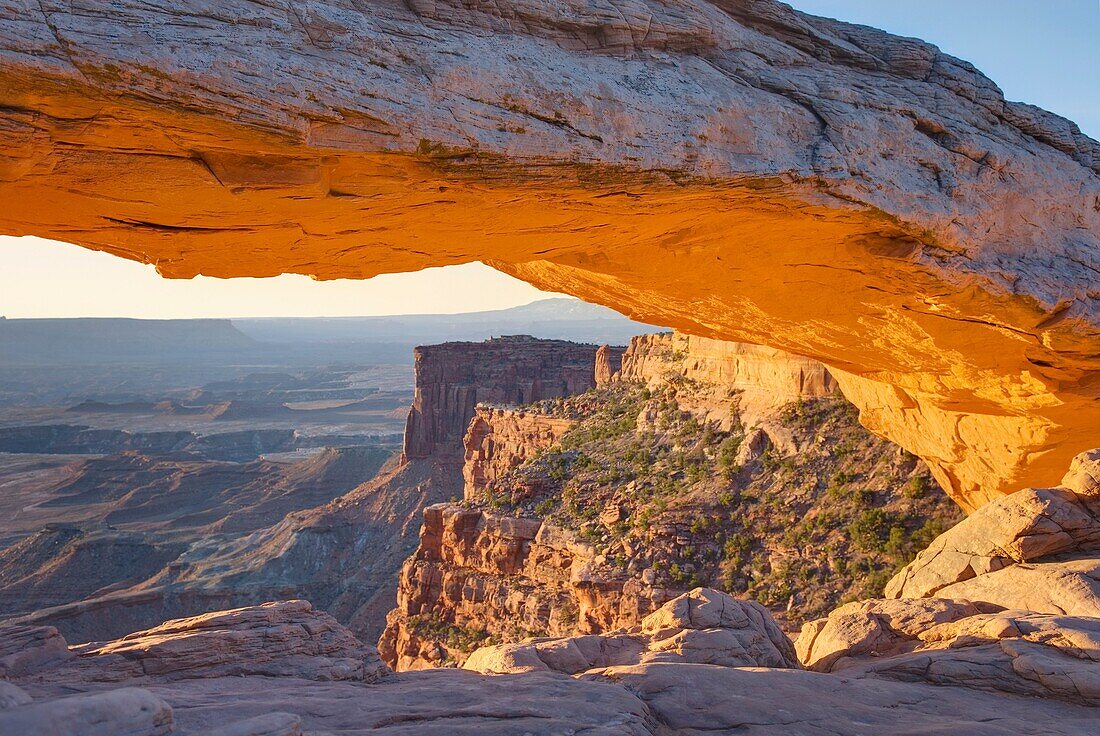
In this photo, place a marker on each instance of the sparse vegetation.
(799, 530)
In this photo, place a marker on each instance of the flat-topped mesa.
(452, 378)
(736, 170)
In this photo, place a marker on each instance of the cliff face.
(500, 439)
(478, 577)
(700, 463)
(452, 378)
(727, 379)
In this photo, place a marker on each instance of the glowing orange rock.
(734, 170)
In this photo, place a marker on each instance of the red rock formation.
(499, 439)
(452, 378)
(608, 362)
(476, 575)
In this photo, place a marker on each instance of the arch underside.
(934, 245)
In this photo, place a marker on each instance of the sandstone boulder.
(1037, 549)
(1083, 477)
(1071, 587)
(287, 639)
(952, 643)
(27, 649)
(874, 628)
(122, 712)
(703, 626)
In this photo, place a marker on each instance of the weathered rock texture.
(608, 362)
(122, 712)
(955, 643)
(276, 639)
(500, 438)
(581, 515)
(728, 380)
(736, 170)
(27, 649)
(675, 695)
(703, 626)
(452, 378)
(476, 575)
(1037, 549)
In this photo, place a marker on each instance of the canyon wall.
(478, 577)
(736, 170)
(727, 378)
(499, 439)
(507, 563)
(452, 378)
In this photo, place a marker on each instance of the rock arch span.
(732, 168)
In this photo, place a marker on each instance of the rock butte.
(734, 169)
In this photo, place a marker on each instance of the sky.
(1046, 53)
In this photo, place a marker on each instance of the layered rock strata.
(737, 170)
(452, 378)
(497, 569)
(476, 576)
(727, 381)
(499, 439)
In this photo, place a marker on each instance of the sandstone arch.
(732, 168)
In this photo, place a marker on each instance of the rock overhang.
(733, 169)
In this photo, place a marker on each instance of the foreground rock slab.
(694, 699)
(122, 712)
(737, 170)
(953, 643)
(1037, 550)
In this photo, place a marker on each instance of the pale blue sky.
(1045, 53)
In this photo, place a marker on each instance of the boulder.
(952, 643)
(123, 712)
(874, 628)
(1037, 549)
(703, 626)
(287, 639)
(27, 649)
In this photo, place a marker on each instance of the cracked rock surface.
(1037, 549)
(737, 170)
(951, 643)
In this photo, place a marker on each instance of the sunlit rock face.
(734, 169)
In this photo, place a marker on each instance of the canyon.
(855, 197)
(856, 487)
(568, 583)
(133, 539)
(699, 462)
